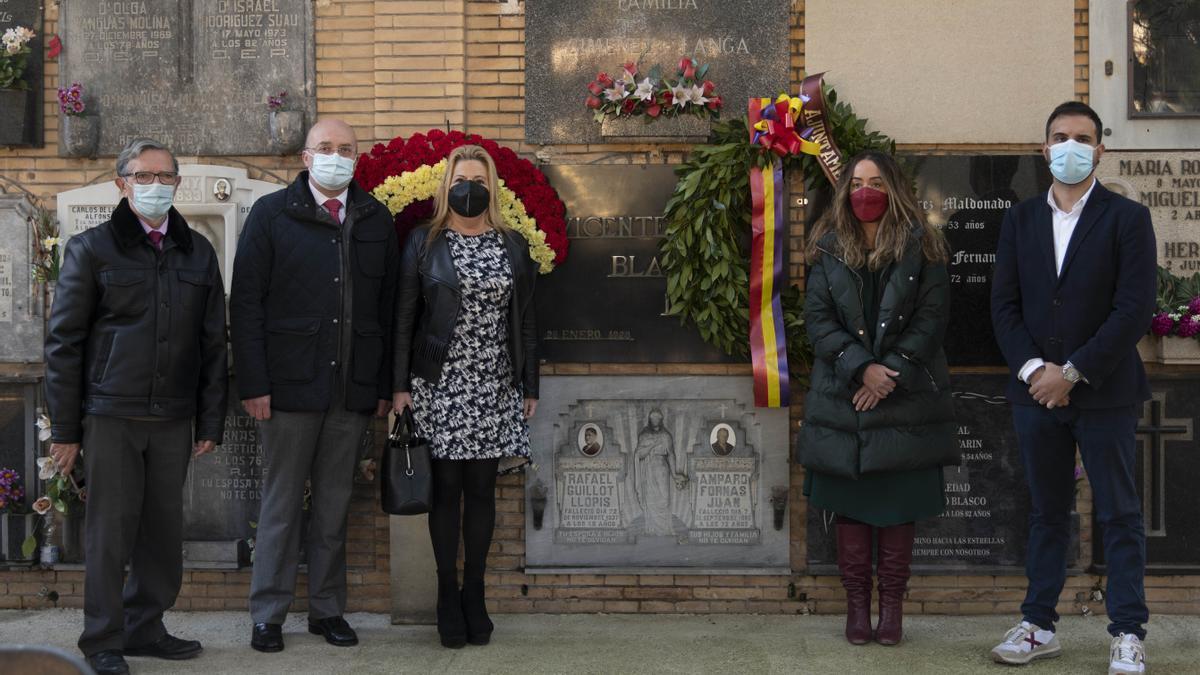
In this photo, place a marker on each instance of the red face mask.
(868, 204)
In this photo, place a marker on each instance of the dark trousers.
(1106, 440)
(135, 472)
(298, 446)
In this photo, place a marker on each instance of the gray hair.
(136, 147)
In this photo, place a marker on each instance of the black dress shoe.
(109, 662)
(168, 647)
(267, 637)
(336, 631)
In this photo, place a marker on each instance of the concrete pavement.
(580, 644)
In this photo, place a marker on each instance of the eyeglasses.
(148, 177)
(346, 151)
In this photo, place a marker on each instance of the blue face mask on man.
(332, 171)
(1071, 161)
(154, 200)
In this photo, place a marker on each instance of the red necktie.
(156, 238)
(333, 206)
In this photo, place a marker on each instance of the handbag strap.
(404, 428)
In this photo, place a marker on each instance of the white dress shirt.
(321, 199)
(1064, 227)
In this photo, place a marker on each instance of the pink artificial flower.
(1194, 305)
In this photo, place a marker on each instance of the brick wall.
(393, 67)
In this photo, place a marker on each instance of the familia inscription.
(193, 74)
(652, 472)
(745, 42)
(610, 303)
(1167, 183)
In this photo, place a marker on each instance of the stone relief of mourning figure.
(656, 471)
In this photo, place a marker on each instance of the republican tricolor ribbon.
(783, 128)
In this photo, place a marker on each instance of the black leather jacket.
(135, 332)
(427, 305)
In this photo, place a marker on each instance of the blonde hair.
(895, 228)
(441, 200)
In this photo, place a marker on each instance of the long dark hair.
(895, 228)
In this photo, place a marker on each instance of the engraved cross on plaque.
(723, 407)
(1158, 431)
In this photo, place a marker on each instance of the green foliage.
(12, 69)
(1176, 292)
(708, 221)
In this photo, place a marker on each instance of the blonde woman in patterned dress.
(466, 365)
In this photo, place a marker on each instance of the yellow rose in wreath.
(397, 192)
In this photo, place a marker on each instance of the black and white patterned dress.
(475, 411)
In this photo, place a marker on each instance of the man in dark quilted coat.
(310, 315)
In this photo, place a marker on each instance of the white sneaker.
(1026, 642)
(1126, 655)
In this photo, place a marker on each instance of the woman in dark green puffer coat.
(879, 421)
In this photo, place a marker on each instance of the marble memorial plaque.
(1167, 183)
(214, 200)
(192, 74)
(28, 14)
(984, 528)
(223, 491)
(746, 44)
(1167, 468)
(657, 472)
(608, 303)
(22, 325)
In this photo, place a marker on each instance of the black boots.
(854, 563)
(451, 626)
(894, 569)
(479, 625)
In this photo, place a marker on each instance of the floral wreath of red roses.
(402, 155)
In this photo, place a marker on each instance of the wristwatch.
(1070, 374)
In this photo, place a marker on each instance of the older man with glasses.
(310, 316)
(136, 375)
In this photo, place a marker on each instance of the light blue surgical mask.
(332, 171)
(1071, 161)
(154, 200)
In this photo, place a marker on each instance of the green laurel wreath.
(706, 249)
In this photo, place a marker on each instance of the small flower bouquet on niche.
(652, 96)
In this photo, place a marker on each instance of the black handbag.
(406, 484)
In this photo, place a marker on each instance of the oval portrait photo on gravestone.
(590, 440)
(722, 439)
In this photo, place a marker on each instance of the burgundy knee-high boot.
(854, 563)
(895, 567)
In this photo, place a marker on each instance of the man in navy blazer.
(1073, 292)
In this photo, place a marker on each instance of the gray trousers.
(135, 472)
(297, 446)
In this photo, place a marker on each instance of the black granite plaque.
(193, 74)
(223, 491)
(746, 43)
(28, 14)
(1168, 466)
(966, 196)
(985, 523)
(607, 303)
